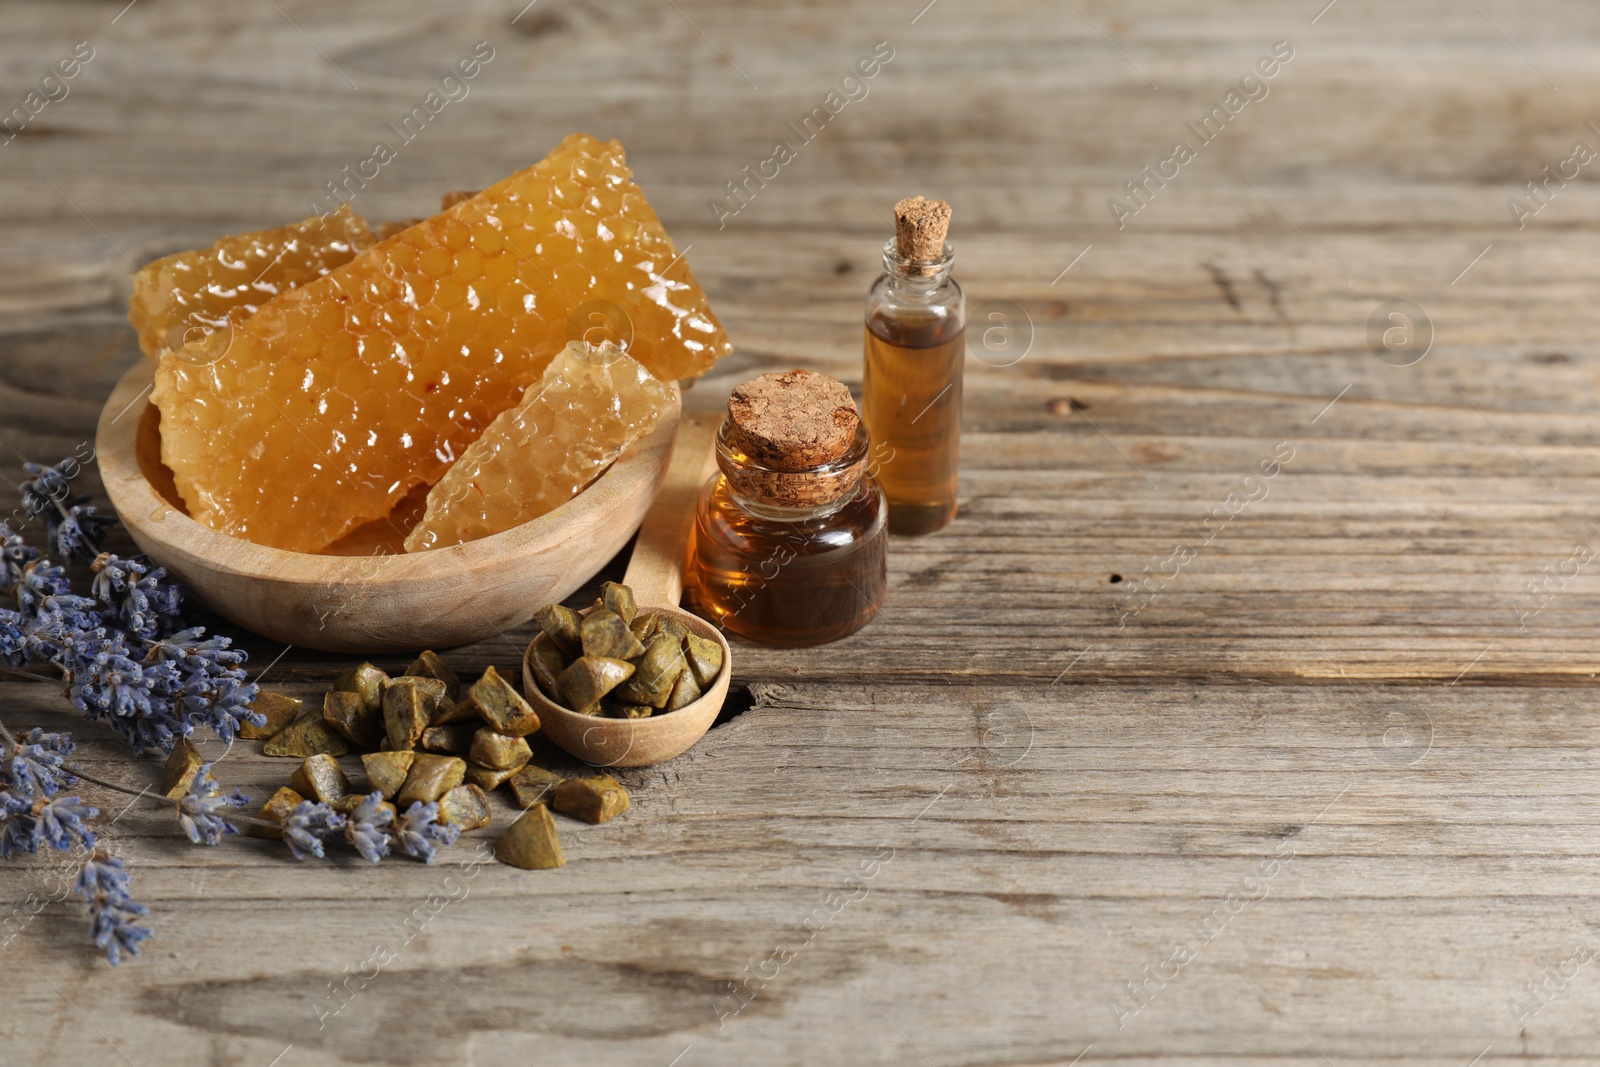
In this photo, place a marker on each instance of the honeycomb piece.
(189, 294)
(591, 404)
(323, 409)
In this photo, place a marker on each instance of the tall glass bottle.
(915, 345)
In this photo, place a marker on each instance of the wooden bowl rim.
(143, 509)
(655, 724)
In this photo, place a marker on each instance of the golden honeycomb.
(189, 294)
(328, 405)
(592, 403)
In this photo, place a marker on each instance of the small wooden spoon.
(655, 574)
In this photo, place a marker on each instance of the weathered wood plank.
(1024, 880)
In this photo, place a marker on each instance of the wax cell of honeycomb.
(324, 408)
(189, 294)
(570, 426)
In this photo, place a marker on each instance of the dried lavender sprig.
(126, 659)
(103, 884)
(204, 811)
(76, 771)
(71, 524)
(43, 588)
(215, 691)
(48, 486)
(367, 830)
(74, 536)
(420, 833)
(137, 595)
(30, 822)
(308, 826)
(33, 814)
(61, 822)
(157, 693)
(15, 554)
(124, 654)
(35, 762)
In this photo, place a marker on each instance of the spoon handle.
(655, 573)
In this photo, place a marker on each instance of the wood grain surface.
(1300, 758)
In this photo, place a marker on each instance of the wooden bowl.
(634, 742)
(371, 603)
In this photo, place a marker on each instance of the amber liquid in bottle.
(911, 393)
(788, 583)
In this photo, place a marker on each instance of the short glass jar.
(789, 558)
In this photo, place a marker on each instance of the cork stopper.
(791, 427)
(920, 226)
(793, 421)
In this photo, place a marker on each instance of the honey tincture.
(789, 540)
(915, 343)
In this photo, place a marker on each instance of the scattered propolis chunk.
(563, 626)
(465, 806)
(349, 715)
(434, 691)
(347, 805)
(454, 737)
(178, 774)
(409, 705)
(386, 771)
(366, 681)
(498, 751)
(432, 665)
(533, 785)
(276, 809)
(501, 706)
(323, 409)
(570, 426)
(321, 779)
(186, 296)
(531, 842)
(306, 736)
(405, 717)
(487, 778)
(280, 710)
(431, 777)
(457, 713)
(591, 799)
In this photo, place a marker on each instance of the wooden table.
(1299, 757)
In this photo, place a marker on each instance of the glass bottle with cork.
(788, 546)
(911, 385)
